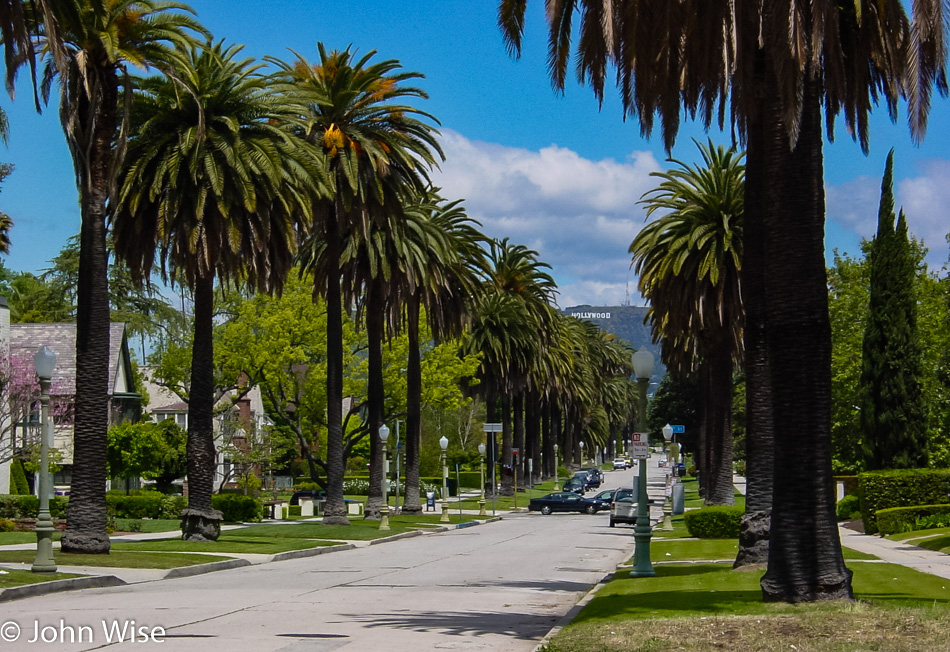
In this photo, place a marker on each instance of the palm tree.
(375, 150)
(441, 280)
(88, 45)
(215, 181)
(688, 261)
(768, 57)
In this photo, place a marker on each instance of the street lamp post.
(384, 511)
(582, 452)
(44, 361)
(668, 503)
(444, 443)
(642, 532)
(481, 500)
(555, 468)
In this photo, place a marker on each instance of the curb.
(310, 552)
(396, 537)
(201, 569)
(56, 586)
(566, 619)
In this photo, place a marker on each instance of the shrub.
(145, 505)
(29, 506)
(172, 506)
(895, 520)
(714, 522)
(932, 521)
(692, 471)
(238, 508)
(902, 488)
(18, 483)
(294, 510)
(848, 508)
(6, 525)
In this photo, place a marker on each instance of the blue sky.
(554, 172)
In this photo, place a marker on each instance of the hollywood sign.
(591, 315)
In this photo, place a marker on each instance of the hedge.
(147, 504)
(848, 507)
(15, 506)
(237, 507)
(895, 520)
(714, 522)
(900, 488)
(18, 483)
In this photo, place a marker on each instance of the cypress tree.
(893, 423)
(18, 483)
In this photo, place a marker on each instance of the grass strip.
(10, 578)
(233, 541)
(115, 559)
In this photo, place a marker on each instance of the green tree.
(154, 451)
(689, 262)
(18, 483)
(209, 181)
(893, 418)
(376, 150)
(88, 45)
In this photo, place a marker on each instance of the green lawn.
(11, 538)
(233, 541)
(10, 578)
(147, 524)
(116, 559)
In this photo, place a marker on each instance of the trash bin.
(430, 500)
(679, 498)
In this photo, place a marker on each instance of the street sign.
(640, 446)
(492, 427)
(679, 430)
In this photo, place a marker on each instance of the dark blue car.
(562, 501)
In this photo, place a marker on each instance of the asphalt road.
(497, 586)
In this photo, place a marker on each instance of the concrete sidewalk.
(897, 552)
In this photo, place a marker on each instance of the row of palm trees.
(220, 173)
(771, 67)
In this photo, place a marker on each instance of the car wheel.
(545, 510)
(592, 509)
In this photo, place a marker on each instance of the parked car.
(620, 463)
(562, 501)
(590, 477)
(312, 494)
(623, 508)
(604, 498)
(574, 485)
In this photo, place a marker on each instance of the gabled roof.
(61, 339)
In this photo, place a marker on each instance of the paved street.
(498, 586)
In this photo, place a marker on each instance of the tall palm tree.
(375, 149)
(215, 181)
(88, 45)
(775, 66)
(689, 262)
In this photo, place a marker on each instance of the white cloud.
(579, 214)
(925, 199)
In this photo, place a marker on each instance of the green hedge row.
(714, 522)
(238, 508)
(895, 520)
(902, 488)
(15, 506)
(358, 485)
(150, 504)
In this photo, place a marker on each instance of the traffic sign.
(679, 430)
(640, 446)
(492, 427)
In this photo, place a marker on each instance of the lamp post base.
(445, 512)
(481, 508)
(642, 567)
(44, 562)
(384, 519)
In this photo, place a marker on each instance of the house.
(22, 341)
(238, 417)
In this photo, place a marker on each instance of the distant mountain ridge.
(626, 322)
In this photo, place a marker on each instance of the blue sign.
(679, 430)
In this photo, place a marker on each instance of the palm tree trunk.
(200, 522)
(507, 485)
(376, 396)
(759, 442)
(86, 518)
(412, 502)
(335, 507)
(719, 486)
(805, 561)
(548, 438)
(518, 440)
(86, 522)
